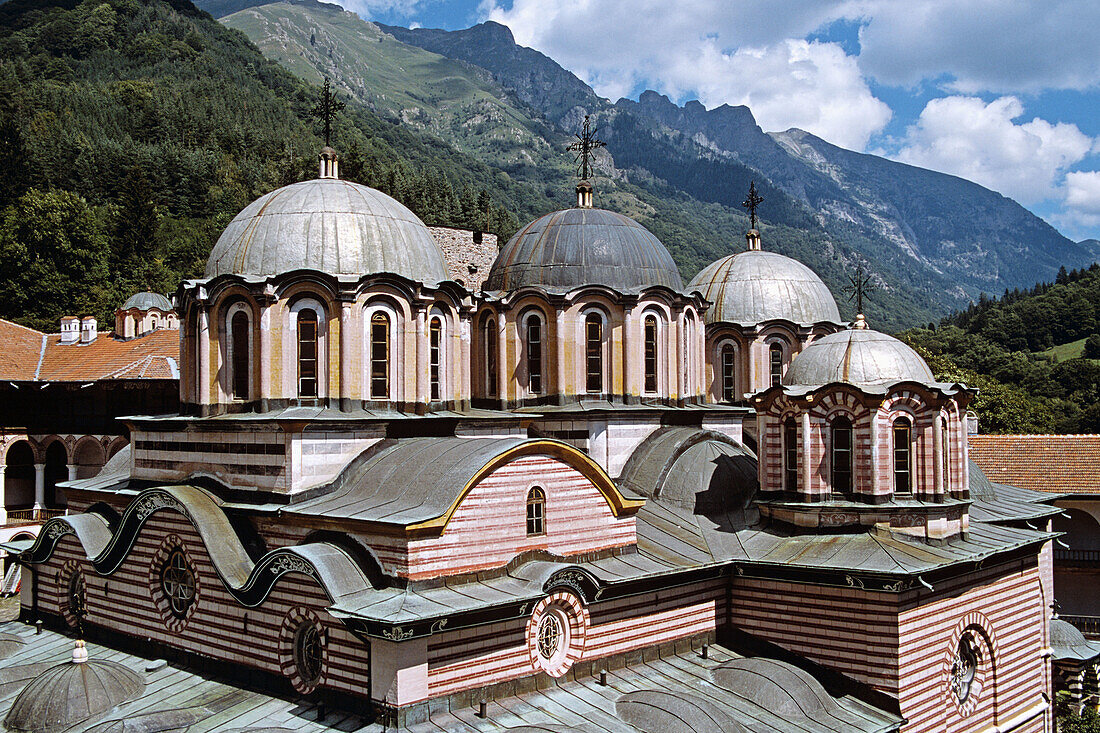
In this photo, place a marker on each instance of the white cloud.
(967, 137)
(703, 50)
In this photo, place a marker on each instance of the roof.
(1060, 464)
(569, 249)
(1069, 644)
(152, 356)
(857, 356)
(328, 225)
(21, 350)
(754, 287)
(147, 301)
(757, 694)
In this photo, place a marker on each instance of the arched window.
(536, 511)
(841, 442)
(534, 354)
(379, 356)
(729, 377)
(491, 356)
(790, 455)
(593, 353)
(945, 451)
(307, 353)
(239, 344)
(435, 357)
(903, 450)
(776, 363)
(650, 355)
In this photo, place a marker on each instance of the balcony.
(31, 516)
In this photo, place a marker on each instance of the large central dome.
(331, 226)
(755, 286)
(575, 247)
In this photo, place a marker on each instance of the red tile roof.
(1062, 464)
(26, 354)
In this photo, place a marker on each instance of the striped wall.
(219, 626)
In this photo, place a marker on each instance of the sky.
(1005, 93)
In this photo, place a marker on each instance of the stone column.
(72, 471)
(39, 486)
(876, 483)
(422, 347)
(3, 495)
(204, 357)
(937, 456)
(561, 378)
(345, 355)
(267, 368)
(502, 358)
(807, 469)
(464, 390)
(629, 391)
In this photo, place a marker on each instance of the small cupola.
(585, 193)
(329, 163)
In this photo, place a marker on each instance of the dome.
(72, 693)
(755, 286)
(1067, 642)
(857, 356)
(329, 225)
(568, 249)
(147, 301)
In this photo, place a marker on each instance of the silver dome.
(329, 225)
(575, 247)
(147, 301)
(754, 286)
(857, 356)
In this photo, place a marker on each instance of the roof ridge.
(41, 356)
(19, 325)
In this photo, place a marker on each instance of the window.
(308, 653)
(729, 384)
(963, 668)
(491, 356)
(307, 353)
(435, 356)
(549, 636)
(239, 336)
(536, 511)
(903, 436)
(178, 583)
(842, 454)
(534, 354)
(945, 451)
(790, 455)
(593, 339)
(77, 595)
(379, 356)
(650, 354)
(776, 356)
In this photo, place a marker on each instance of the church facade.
(384, 487)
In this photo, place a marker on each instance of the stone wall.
(469, 254)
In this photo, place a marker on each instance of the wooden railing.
(28, 516)
(1076, 555)
(1084, 624)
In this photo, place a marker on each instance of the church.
(405, 494)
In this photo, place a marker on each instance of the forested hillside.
(1004, 347)
(131, 132)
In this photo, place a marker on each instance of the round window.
(308, 653)
(178, 583)
(549, 636)
(963, 669)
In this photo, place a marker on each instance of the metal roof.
(754, 286)
(146, 301)
(569, 249)
(72, 693)
(857, 356)
(330, 226)
(1069, 644)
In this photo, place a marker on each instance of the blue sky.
(1003, 92)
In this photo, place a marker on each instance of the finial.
(325, 111)
(751, 203)
(80, 652)
(860, 285)
(584, 145)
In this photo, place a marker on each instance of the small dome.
(575, 247)
(72, 693)
(857, 356)
(754, 286)
(1066, 642)
(147, 301)
(331, 226)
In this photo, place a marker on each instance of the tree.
(1092, 347)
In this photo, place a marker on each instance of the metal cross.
(326, 109)
(751, 203)
(585, 143)
(861, 285)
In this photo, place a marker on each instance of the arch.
(308, 352)
(19, 475)
(382, 342)
(790, 454)
(688, 355)
(594, 338)
(57, 471)
(946, 454)
(1081, 528)
(116, 445)
(489, 347)
(89, 457)
(238, 347)
(901, 442)
(536, 511)
(654, 351)
(533, 345)
(841, 454)
(775, 362)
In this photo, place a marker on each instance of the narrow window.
(435, 345)
(307, 353)
(651, 354)
(945, 436)
(776, 354)
(593, 336)
(491, 356)
(903, 436)
(239, 328)
(729, 386)
(842, 455)
(536, 511)
(379, 356)
(534, 354)
(790, 455)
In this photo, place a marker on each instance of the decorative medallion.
(174, 583)
(302, 643)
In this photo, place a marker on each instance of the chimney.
(70, 329)
(971, 422)
(88, 330)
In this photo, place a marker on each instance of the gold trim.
(619, 504)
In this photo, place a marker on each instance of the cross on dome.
(325, 110)
(751, 203)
